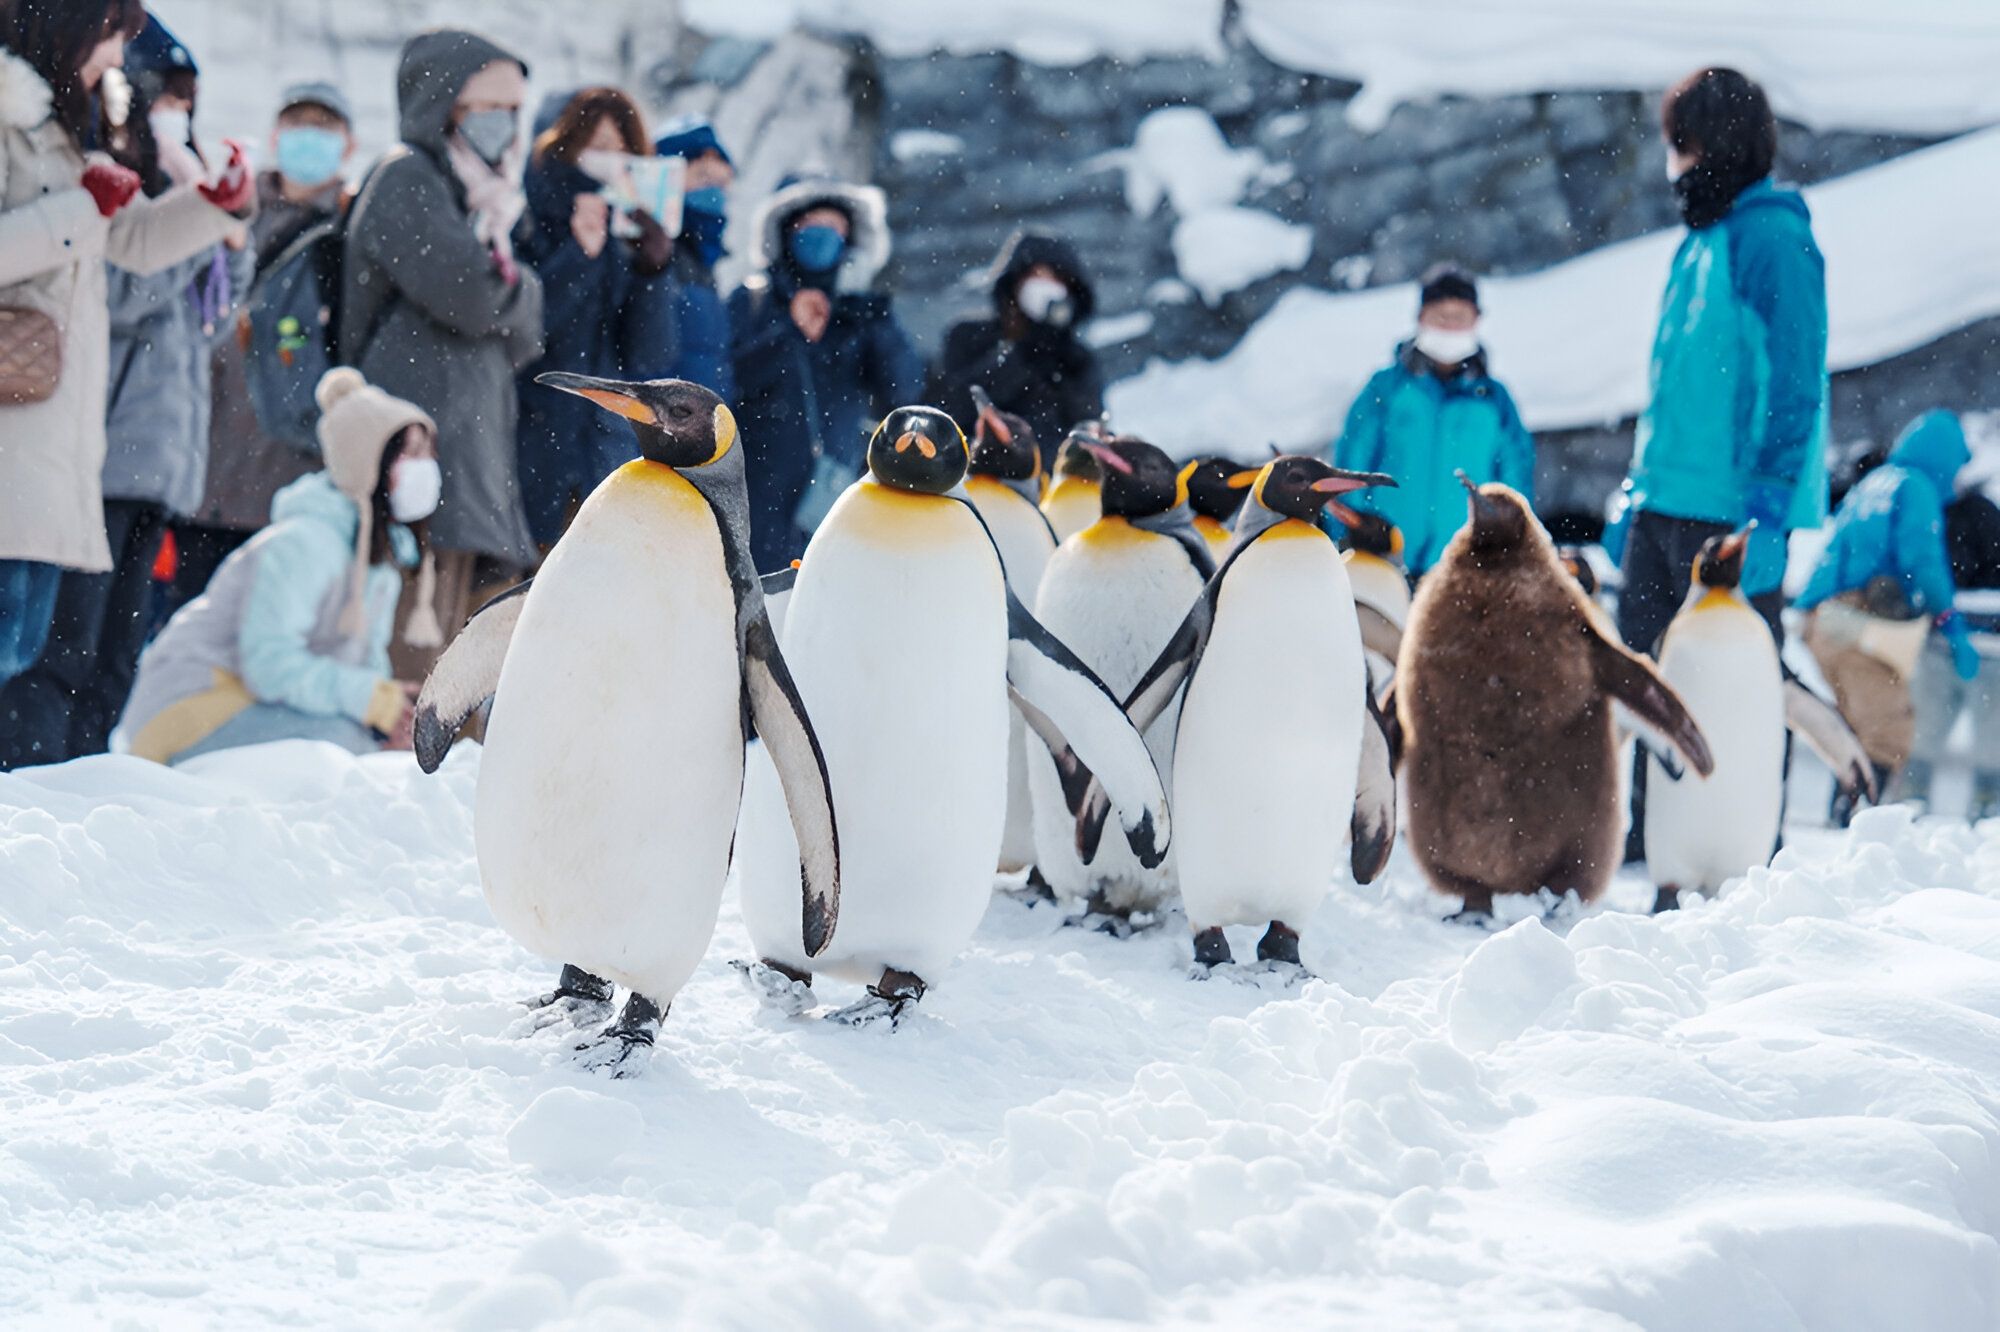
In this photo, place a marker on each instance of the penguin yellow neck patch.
(1113, 531)
(1721, 598)
(644, 482)
(1293, 529)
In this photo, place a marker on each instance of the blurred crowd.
(267, 441)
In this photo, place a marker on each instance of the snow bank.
(1220, 250)
(1920, 67)
(1907, 256)
(1046, 32)
(260, 1064)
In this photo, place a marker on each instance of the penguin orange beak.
(912, 439)
(1733, 545)
(1109, 457)
(602, 392)
(989, 416)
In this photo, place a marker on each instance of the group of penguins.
(977, 669)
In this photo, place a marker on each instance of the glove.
(1617, 522)
(1764, 562)
(655, 248)
(233, 190)
(1964, 656)
(111, 186)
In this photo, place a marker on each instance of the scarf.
(494, 200)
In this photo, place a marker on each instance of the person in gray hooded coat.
(435, 309)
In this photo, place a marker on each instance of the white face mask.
(413, 495)
(1040, 298)
(170, 126)
(1447, 346)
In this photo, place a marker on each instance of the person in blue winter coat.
(290, 640)
(608, 306)
(1434, 411)
(1735, 425)
(701, 316)
(1884, 574)
(820, 356)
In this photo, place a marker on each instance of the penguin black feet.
(1477, 911)
(1211, 950)
(579, 999)
(1038, 888)
(624, 1048)
(778, 987)
(1666, 897)
(1279, 944)
(889, 999)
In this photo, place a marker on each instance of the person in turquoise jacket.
(1735, 425)
(291, 638)
(1430, 414)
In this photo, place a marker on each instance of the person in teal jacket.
(1735, 426)
(1430, 414)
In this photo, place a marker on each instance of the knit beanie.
(356, 425)
(1447, 282)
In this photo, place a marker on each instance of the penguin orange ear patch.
(624, 405)
(1243, 480)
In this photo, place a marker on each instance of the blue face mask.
(817, 249)
(309, 156)
(704, 218)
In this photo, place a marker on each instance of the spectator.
(1972, 536)
(1434, 411)
(291, 639)
(1885, 571)
(311, 142)
(163, 325)
(608, 307)
(702, 317)
(1745, 304)
(1027, 356)
(820, 356)
(436, 310)
(61, 216)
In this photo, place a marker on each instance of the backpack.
(293, 313)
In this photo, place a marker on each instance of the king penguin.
(1373, 549)
(1215, 502)
(1503, 704)
(1278, 757)
(1003, 479)
(1719, 655)
(1073, 502)
(907, 645)
(622, 678)
(1115, 592)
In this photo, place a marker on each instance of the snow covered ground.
(259, 1065)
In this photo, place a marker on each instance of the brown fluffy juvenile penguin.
(1504, 701)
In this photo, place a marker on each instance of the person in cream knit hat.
(291, 639)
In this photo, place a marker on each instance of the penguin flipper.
(466, 675)
(1379, 633)
(787, 733)
(1374, 825)
(1826, 732)
(1649, 703)
(1081, 722)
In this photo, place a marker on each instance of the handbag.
(30, 356)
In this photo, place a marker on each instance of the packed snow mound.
(1220, 250)
(1907, 261)
(266, 989)
(1045, 32)
(1179, 154)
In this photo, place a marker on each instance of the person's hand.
(1764, 561)
(812, 311)
(1964, 656)
(590, 223)
(234, 190)
(402, 735)
(655, 248)
(111, 186)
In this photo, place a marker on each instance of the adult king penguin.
(621, 680)
(1115, 592)
(1373, 550)
(1504, 700)
(1074, 500)
(1278, 757)
(1718, 653)
(907, 644)
(1003, 479)
(1215, 502)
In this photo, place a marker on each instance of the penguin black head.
(1375, 535)
(1073, 459)
(1499, 516)
(918, 448)
(1299, 487)
(1209, 491)
(1579, 569)
(1003, 445)
(1720, 563)
(678, 423)
(1140, 480)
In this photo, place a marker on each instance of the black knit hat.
(1447, 282)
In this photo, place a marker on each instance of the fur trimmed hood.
(867, 210)
(25, 98)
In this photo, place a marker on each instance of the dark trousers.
(65, 705)
(1658, 570)
(27, 604)
(200, 551)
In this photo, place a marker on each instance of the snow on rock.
(1047, 32)
(1220, 250)
(1907, 260)
(1178, 154)
(261, 1063)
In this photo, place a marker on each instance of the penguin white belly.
(1270, 737)
(897, 639)
(613, 761)
(1025, 545)
(1115, 594)
(1699, 834)
(1380, 584)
